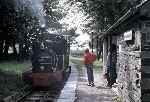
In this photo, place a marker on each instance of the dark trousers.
(111, 75)
(90, 73)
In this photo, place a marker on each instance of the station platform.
(68, 94)
(76, 89)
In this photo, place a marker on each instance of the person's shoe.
(109, 86)
(115, 85)
(88, 84)
(92, 85)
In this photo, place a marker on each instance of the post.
(104, 54)
(92, 41)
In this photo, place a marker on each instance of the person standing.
(111, 66)
(89, 58)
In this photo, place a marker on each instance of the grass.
(11, 77)
(117, 99)
(76, 60)
(15, 67)
(98, 64)
(79, 62)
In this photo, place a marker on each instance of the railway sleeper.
(40, 97)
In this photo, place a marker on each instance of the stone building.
(131, 35)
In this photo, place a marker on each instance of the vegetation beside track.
(14, 66)
(11, 76)
(79, 61)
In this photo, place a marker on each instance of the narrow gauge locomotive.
(50, 59)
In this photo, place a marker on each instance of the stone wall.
(129, 67)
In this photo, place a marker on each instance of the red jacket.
(89, 58)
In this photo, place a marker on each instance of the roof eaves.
(129, 13)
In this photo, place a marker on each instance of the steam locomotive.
(50, 60)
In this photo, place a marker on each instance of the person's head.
(86, 50)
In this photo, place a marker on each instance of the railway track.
(40, 96)
(44, 95)
(36, 95)
(28, 94)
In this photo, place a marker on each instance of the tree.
(22, 26)
(7, 26)
(53, 14)
(18, 26)
(104, 12)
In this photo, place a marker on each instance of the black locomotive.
(50, 60)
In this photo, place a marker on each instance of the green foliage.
(98, 64)
(11, 77)
(117, 99)
(79, 61)
(22, 26)
(71, 35)
(15, 67)
(18, 25)
(53, 14)
(103, 13)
